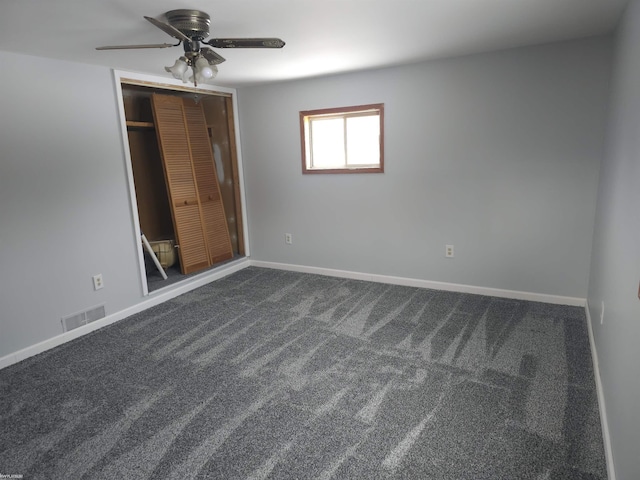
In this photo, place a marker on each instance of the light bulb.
(178, 69)
(204, 71)
(203, 79)
(202, 68)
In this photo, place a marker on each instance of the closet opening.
(185, 172)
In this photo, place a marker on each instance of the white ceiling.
(322, 36)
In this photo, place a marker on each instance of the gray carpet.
(273, 374)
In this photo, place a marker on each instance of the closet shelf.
(131, 123)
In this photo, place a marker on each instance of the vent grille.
(78, 319)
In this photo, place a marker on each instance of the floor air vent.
(78, 319)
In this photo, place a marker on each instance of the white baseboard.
(604, 423)
(414, 282)
(155, 298)
(168, 293)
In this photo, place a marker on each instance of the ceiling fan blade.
(212, 57)
(126, 47)
(246, 43)
(166, 28)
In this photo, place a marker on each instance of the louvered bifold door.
(215, 221)
(173, 139)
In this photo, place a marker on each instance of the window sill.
(343, 170)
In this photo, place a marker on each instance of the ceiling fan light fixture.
(190, 28)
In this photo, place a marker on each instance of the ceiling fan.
(191, 28)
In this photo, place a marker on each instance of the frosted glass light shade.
(204, 73)
(204, 70)
(178, 69)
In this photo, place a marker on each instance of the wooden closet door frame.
(121, 77)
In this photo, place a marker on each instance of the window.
(343, 140)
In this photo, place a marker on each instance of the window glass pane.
(327, 143)
(363, 140)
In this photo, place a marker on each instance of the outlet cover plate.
(448, 251)
(97, 282)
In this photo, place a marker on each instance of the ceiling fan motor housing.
(193, 23)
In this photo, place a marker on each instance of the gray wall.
(64, 200)
(497, 154)
(615, 269)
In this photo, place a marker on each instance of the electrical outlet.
(602, 313)
(288, 238)
(448, 251)
(97, 282)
